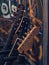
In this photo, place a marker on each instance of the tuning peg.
(23, 37)
(25, 33)
(21, 26)
(40, 33)
(23, 21)
(26, 22)
(28, 30)
(19, 19)
(19, 31)
(19, 41)
(31, 26)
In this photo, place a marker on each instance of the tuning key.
(31, 26)
(17, 23)
(25, 33)
(40, 33)
(19, 30)
(19, 19)
(23, 37)
(26, 22)
(21, 26)
(23, 21)
(25, 27)
(19, 41)
(28, 30)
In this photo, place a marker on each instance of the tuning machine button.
(19, 41)
(23, 37)
(23, 21)
(25, 33)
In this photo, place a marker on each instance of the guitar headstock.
(26, 44)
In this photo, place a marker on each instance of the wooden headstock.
(27, 43)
